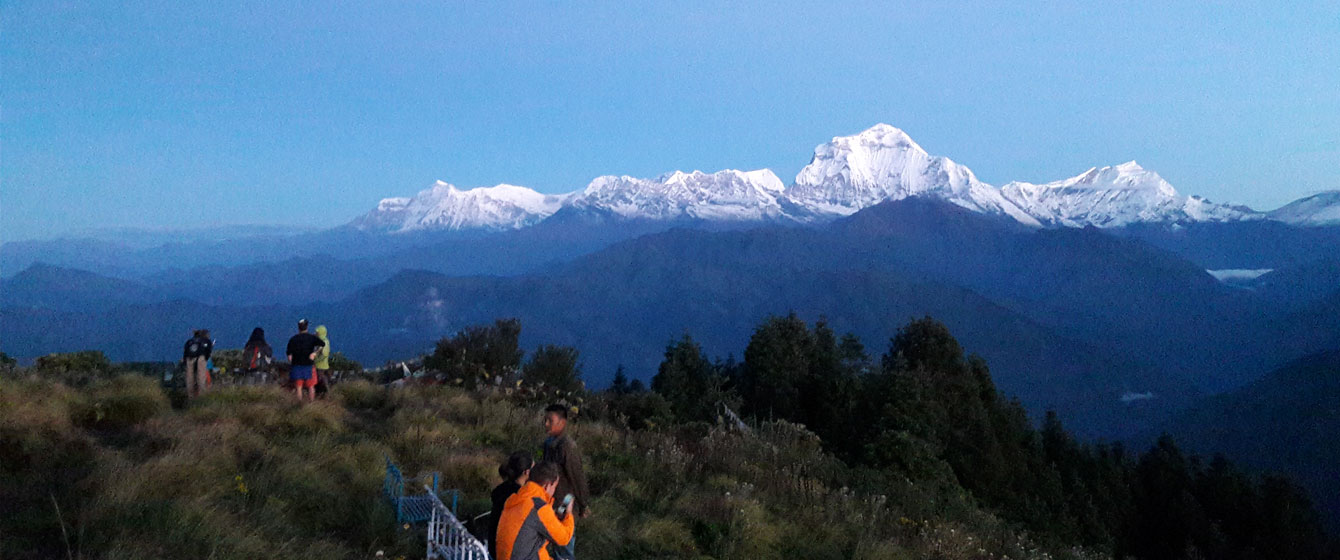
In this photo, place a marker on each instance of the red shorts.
(309, 382)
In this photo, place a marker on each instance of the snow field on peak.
(1114, 196)
(883, 163)
(445, 207)
(1316, 210)
(729, 195)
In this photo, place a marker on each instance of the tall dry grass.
(248, 472)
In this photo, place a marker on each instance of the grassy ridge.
(246, 472)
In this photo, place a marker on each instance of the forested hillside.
(1287, 421)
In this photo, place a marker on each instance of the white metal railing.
(447, 537)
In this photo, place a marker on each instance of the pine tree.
(776, 363)
(689, 382)
(829, 388)
(620, 384)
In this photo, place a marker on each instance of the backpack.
(258, 359)
(193, 348)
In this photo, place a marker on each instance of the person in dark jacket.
(195, 359)
(257, 354)
(515, 472)
(560, 449)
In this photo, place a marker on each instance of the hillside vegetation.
(913, 456)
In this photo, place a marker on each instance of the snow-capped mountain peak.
(1114, 196)
(445, 207)
(1320, 209)
(881, 135)
(729, 195)
(1127, 176)
(883, 163)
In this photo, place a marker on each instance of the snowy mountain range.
(844, 175)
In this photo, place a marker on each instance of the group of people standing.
(308, 356)
(526, 522)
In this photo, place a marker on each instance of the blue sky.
(168, 114)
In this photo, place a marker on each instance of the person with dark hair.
(560, 449)
(302, 350)
(515, 472)
(257, 354)
(529, 523)
(195, 357)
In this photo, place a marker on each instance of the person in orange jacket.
(529, 523)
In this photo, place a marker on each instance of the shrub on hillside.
(555, 367)
(664, 538)
(340, 362)
(474, 473)
(229, 359)
(640, 410)
(42, 455)
(360, 395)
(229, 397)
(8, 365)
(479, 355)
(122, 402)
(321, 417)
(76, 369)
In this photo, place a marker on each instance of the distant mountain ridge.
(844, 175)
(1064, 315)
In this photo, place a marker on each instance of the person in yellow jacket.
(322, 363)
(528, 522)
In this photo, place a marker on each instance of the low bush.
(43, 454)
(76, 369)
(122, 402)
(360, 395)
(664, 538)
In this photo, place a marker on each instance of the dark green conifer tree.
(776, 363)
(620, 384)
(689, 382)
